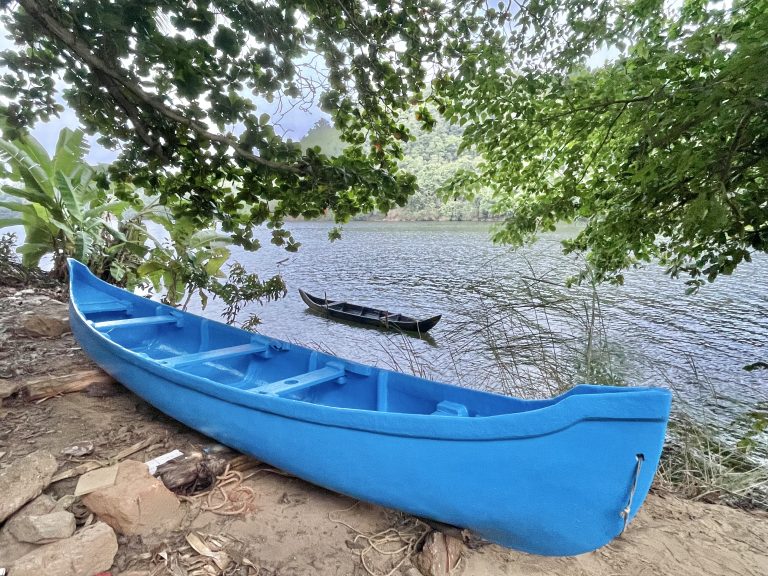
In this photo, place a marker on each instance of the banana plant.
(62, 209)
(65, 213)
(189, 261)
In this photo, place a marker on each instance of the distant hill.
(432, 157)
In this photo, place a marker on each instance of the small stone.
(49, 319)
(25, 479)
(10, 547)
(89, 551)
(9, 387)
(137, 503)
(440, 556)
(65, 502)
(45, 528)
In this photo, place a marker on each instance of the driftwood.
(53, 386)
(49, 386)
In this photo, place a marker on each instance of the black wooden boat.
(365, 315)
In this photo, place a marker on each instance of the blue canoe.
(550, 477)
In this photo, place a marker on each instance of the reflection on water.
(423, 269)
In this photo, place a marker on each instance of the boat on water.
(366, 315)
(558, 476)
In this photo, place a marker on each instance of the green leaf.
(84, 244)
(32, 253)
(11, 222)
(150, 267)
(71, 149)
(116, 207)
(226, 41)
(69, 230)
(213, 265)
(14, 206)
(36, 151)
(38, 185)
(207, 238)
(69, 195)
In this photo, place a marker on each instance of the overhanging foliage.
(177, 84)
(662, 152)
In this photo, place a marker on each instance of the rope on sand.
(389, 542)
(232, 501)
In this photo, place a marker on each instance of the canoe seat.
(448, 408)
(300, 381)
(102, 306)
(136, 322)
(210, 355)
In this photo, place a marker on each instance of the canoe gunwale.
(572, 407)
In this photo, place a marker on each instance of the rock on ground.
(24, 480)
(50, 319)
(137, 503)
(89, 551)
(45, 528)
(10, 547)
(440, 556)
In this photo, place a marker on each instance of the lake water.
(504, 330)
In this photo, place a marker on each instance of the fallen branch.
(93, 465)
(54, 385)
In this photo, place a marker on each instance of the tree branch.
(603, 141)
(41, 11)
(132, 112)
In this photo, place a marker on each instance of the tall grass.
(543, 340)
(538, 343)
(709, 456)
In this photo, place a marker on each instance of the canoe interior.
(232, 357)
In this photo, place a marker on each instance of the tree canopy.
(662, 151)
(180, 87)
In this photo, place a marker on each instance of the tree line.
(433, 157)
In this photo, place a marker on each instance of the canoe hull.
(555, 490)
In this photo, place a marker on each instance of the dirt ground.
(295, 528)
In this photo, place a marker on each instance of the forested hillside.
(432, 157)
